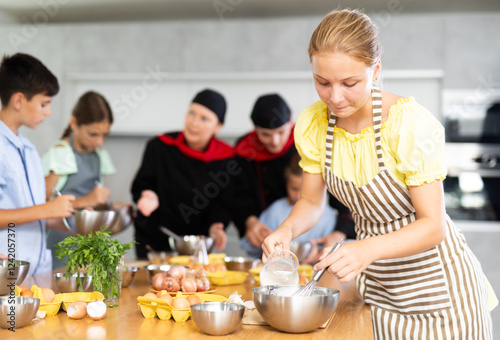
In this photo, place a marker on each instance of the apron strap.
(377, 122)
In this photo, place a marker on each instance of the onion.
(202, 284)
(96, 310)
(171, 285)
(177, 272)
(188, 284)
(158, 280)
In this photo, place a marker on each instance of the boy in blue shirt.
(26, 90)
(279, 210)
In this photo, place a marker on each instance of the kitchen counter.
(351, 319)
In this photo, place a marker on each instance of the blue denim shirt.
(22, 185)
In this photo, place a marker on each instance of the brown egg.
(181, 303)
(77, 310)
(48, 294)
(220, 267)
(150, 295)
(209, 268)
(167, 298)
(193, 299)
(23, 288)
(27, 293)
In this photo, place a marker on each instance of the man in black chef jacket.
(186, 179)
(262, 155)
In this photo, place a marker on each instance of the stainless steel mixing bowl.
(301, 249)
(12, 273)
(85, 221)
(17, 311)
(70, 285)
(188, 244)
(217, 318)
(239, 263)
(128, 275)
(295, 314)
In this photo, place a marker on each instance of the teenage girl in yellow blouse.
(383, 156)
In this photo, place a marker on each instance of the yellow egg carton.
(230, 277)
(51, 308)
(151, 307)
(68, 298)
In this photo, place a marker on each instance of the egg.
(77, 310)
(220, 267)
(193, 299)
(150, 295)
(48, 294)
(96, 310)
(181, 303)
(167, 298)
(23, 288)
(27, 293)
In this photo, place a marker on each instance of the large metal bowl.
(295, 314)
(85, 221)
(301, 249)
(217, 318)
(12, 273)
(17, 311)
(239, 263)
(128, 275)
(188, 243)
(70, 285)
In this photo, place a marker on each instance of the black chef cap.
(213, 101)
(270, 112)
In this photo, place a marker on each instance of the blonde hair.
(346, 31)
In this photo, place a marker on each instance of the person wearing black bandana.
(262, 155)
(185, 179)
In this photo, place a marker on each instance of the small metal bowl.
(188, 243)
(128, 274)
(217, 318)
(12, 272)
(70, 285)
(301, 249)
(295, 314)
(154, 269)
(16, 311)
(242, 264)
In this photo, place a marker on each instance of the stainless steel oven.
(472, 124)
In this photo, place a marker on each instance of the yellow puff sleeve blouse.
(412, 145)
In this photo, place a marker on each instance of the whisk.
(308, 289)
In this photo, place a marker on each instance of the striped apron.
(440, 293)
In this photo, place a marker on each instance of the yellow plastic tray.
(230, 277)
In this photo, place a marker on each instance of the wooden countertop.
(351, 319)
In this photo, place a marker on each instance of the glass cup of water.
(281, 269)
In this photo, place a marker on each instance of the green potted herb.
(99, 256)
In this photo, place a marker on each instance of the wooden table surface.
(351, 319)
